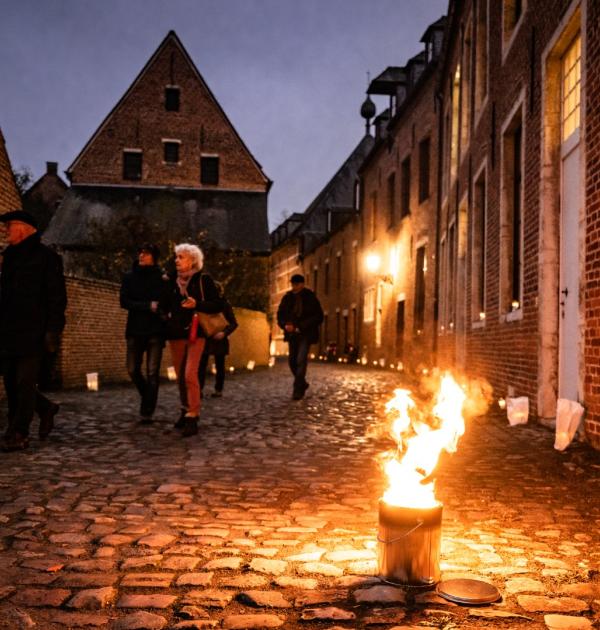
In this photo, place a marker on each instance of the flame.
(421, 439)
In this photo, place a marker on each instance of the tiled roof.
(9, 195)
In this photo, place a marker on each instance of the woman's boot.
(180, 423)
(190, 426)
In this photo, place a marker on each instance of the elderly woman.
(190, 290)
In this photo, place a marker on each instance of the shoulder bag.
(211, 323)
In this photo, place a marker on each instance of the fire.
(421, 438)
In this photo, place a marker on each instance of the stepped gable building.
(9, 194)
(298, 243)
(167, 152)
(45, 195)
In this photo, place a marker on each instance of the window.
(171, 152)
(338, 262)
(338, 330)
(465, 91)
(405, 190)
(478, 250)
(172, 99)
(369, 305)
(357, 195)
(481, 55)
(424, 159)
(451, 277)
(327, 277)
(571, 89)
(419, 314)
(374, 216)
(512, 214)
(455, 123)
(132, 165)
(209, 170)
(391, 197)
(315, 280)
(512, 10)
(400, 330)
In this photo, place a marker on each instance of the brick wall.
(94, 336)
(592, 196)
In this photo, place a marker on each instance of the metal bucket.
(409, 544)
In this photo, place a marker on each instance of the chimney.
(51, 168)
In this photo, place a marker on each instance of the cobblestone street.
(268, 518)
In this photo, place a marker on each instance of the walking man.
(33, 300)
(142, 291)
(299, 315)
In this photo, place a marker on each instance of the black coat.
(179, 318)
(220, 347)
(140, 287)
(307, 321)
(33, 297)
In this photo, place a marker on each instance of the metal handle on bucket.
(410, 531)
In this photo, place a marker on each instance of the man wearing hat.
(142, 292)
(299, 315)
(33, 301)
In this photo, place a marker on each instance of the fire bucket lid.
(465, 591)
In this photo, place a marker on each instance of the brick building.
(168, 155)
(399, 214)
(505, 239)
(44, 196)
(306, 243)
(514, 132)
(9, 195)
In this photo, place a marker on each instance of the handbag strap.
(201, 289)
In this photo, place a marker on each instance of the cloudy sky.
(290, 74)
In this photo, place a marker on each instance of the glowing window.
(571, 89)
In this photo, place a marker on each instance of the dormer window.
(172, 99)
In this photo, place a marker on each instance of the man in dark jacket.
(299, 315)
(142, 291)
(33, 300)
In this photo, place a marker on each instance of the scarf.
(183, 279)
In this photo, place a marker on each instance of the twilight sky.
(290, 74)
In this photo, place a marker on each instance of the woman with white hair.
(190, 291)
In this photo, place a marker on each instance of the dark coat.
(220, 347)
(307, 321)
(33, 297)
(179, 318)
(140, 287)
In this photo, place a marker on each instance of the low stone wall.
(94, 336)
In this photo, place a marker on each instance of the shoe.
(190, 427)
(145, 419)
(180, 423)
(15, 442)
(216, 394)
(297, 395)
(47, 420)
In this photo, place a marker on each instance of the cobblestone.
(274, 504)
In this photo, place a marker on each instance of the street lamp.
(373, 264)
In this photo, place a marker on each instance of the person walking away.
(299, 315)
(142, 293)
(33, 300)
(189, 291)
(218, 346)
